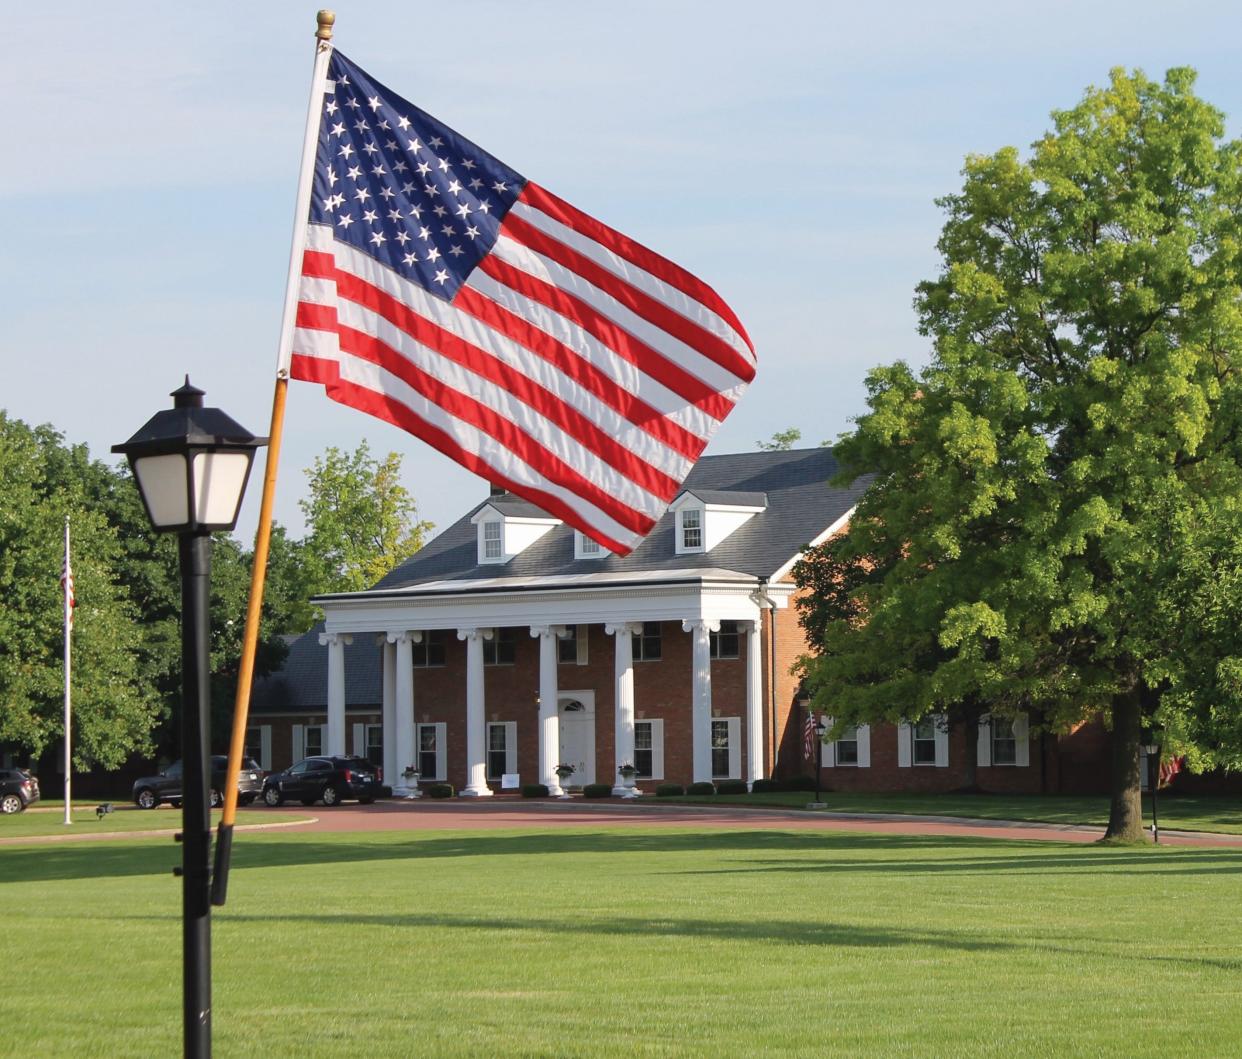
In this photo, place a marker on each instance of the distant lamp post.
(1153, 781)
(820, 729)
(191, 464)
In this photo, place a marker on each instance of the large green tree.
(1053, 521)
(361, 521)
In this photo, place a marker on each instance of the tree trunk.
(1125, 813)
(970, 765)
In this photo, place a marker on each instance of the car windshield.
(359, 764)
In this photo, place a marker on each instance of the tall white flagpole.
(66, 590)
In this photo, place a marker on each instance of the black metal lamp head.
(191, 464)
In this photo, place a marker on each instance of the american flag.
(1169, 768)
(66, 585)
(810, 735)
(446, 293)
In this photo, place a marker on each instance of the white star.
(345, 220)
(433, 254)
(456, 250)
(403, 123)
(339, 199)
(388, 193)
(475, 184)
(353, 103)
(391, 144)
(378, 170)
(362, 194)
(403, 238)
(400, 167)
(345, 151)
(343, 80)
(444, 166)
(331, 176)
(415, 145)
(409, 259)
(440, 211)
(386, 127)
(500, 187)
(472, 231)
(394, 215)
(370, 148)
(448, 229)
(423, 168)
(442, 276)
(378, 238)
(484, 205)
(435, 141)
(468, 163)
(424, 234)
(416, 212)
(329, 204)
(463, 210)
(370, 216)
(431, 189)
(374, 101)
(354, 172)
(338, 129)
(361, 125)
(454, 187)
(406, 188)
(331, 106)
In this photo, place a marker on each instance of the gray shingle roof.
(800, 506)
(302, 682)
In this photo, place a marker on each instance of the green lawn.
(123, 818)
(1177, 811)
(634, 942)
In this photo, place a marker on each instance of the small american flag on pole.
(66, 585)
(810, 733)
(446, 293)
(1169, 768)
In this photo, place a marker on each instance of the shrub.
(702, 787)
(765, 786)
(800, 783)
(534, 790)
(670, 790)
(731, 787)
(597, 790)
(440, 790)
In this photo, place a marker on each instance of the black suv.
(166, 787)
(18, 788)
(327, 779)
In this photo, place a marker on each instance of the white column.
(476, 720)
(403, 708)
(335, 643)
(754, 705)
(623, 741)
(389, 708)
(701, 696)
(549, 717)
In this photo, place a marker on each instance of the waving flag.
(1169, 768)
(810, 736)
(66, 587)
(444, 292)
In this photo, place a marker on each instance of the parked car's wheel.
(331, 796)
(273, 797)
(215, 799)
(175, 802)
(146, 799)
(11, 803)
(246, 799)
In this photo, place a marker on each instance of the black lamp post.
(191, 464)
(820, 729)
(1153, 781)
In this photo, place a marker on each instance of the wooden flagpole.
(245, 675)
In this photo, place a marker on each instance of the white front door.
(577, 731)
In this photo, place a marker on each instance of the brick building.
(511, 643)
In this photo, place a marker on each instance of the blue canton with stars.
(402, 187)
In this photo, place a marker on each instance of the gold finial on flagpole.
(326, 20)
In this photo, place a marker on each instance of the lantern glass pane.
(162, 481)
(219, 478)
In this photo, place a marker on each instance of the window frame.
(924, 740)
(501, 648)
(306, 730)
(715, 640)
(654, 726)
(698, 527)
(492, 547)
(431, 652)
(648, 646)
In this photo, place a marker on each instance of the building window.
(569, 650)
(691, 529)
(847, 746)
(254, 744)
(431, 651)
(924, 736)
(587, 548)
(720, 748)
(646, 645)
(501, 648)
(428, 751)
(642, 749)
(493, 540)
(497, 752)
(375, 745)
(726, 642)
(312, 740)
(1004, 745)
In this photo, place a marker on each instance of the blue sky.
(787, 153)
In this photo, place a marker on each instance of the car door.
(170, 782)
(317, 775)
(295, 780)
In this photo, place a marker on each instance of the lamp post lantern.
(820, 729)
(191, 465)
(1153, 780)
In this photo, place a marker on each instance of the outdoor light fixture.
(820, 729)
(191, 465)
(1152, 750)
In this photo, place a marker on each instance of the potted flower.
(628, 771)
(564, 771)
(411, 774)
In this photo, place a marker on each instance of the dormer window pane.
(691, 528)
(589, 546)
(493, 541)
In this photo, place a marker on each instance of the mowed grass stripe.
(638, 943)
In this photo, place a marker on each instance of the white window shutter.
(511, 746)
(360, 740)
(904, 745)
(828, 751)
(864, 746)
(735, 747)
(984, 742)
(441, 750)
(1022, 741)
(581, 637)
(299, 744)
(942, 742)
(265, 747)
(657, 749)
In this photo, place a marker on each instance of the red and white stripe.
(574, 367)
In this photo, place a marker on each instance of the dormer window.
(587, 548)
(493, 540)
(691, 529)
